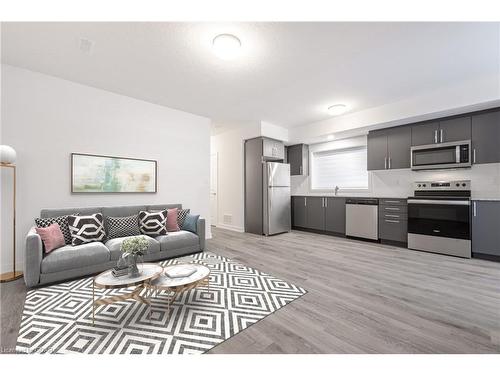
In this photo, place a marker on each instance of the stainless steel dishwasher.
(361, 218)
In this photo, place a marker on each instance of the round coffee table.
(177, 285)
(106, 280)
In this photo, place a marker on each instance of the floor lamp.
(7, 159)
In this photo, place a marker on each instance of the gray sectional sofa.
(74, 261)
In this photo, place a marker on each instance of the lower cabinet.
(393, 220)
(335, 215)
(485, 227)
(299, 217)
(319, 213)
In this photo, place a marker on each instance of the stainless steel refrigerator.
(267, 187)
(276, 205)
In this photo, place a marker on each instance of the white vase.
(7, 154)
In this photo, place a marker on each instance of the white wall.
(229, 147)
(46, 119)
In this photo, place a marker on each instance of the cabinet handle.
(391, 221)
(389, 163)
(305, 201)
(474, 156)
(441, 135)
(392, 201)
(326, 202)
(300, 169)
(435, 136)
(388, 215)
(385, 162)
(474, 209)
(392, 209)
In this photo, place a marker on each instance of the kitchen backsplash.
(485, 182)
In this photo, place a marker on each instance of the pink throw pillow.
(172, 225)
(52, 237)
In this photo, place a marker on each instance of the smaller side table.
(178, 285)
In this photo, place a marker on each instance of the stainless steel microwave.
(441, 155)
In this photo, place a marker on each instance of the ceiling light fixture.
(337, 109)
(330, 137)
(226, 46)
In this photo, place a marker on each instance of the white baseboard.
(231, 227)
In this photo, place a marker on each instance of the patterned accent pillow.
(63, 224)
(153, 223)
(84, 229)
(122, 226)
(181, 216)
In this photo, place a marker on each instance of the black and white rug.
(58, 318)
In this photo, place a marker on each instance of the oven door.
(441, 218)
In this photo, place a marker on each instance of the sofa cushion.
(191, 223)
(84, 229)
(71, 257)
(122, 226)
(181, 216)
(114, 246)
(153, 223)
(63, 225)
(177, 240)
(51, 236)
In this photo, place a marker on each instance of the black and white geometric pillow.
(153, 223)
(63, 224)
(84, 229)
(181, 216)
(122, 226)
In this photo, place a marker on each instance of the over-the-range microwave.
(441, 155)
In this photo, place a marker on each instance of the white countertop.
(380, 197)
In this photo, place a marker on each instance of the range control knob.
(424, 185)
(463, 184)
(458, 184)
(419, 185)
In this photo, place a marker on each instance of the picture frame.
(94, 174)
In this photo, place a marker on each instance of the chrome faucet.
(336, 190)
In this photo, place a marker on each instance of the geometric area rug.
(58, 318)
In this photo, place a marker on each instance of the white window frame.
(341, 190)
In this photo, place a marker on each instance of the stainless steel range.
(439, 217)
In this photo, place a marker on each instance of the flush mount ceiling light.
(330, 137)
(226, 46)
(337, 109)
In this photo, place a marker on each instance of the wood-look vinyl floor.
(362, 297)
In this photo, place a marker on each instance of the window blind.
(345, 168)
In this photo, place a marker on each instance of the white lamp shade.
(7, 154)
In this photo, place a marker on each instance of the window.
(345, 168)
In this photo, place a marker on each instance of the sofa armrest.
(200, 231)
(32, 258)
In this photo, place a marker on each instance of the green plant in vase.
(132, 248)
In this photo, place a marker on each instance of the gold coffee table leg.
(93, 300)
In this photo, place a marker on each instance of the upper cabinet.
(298, 158)
(486, 138)
(273, 149)
(456, 129)
(389, 148)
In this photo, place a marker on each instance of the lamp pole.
(14, 275)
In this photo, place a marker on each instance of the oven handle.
(448, 203)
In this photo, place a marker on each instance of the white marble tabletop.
(163, 281)
(147, 271)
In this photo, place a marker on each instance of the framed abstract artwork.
(110, 174)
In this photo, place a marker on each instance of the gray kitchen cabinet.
(485, 233)
(389, 148)
(456, 129)
(486, 138)
(299, 212)
(273, 149)
(335, 215)
(377, 150)
(298, 158)
(393, 219)
(398, 147)
(425, 134)
(315, 213)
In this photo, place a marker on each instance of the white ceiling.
(288, 74)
